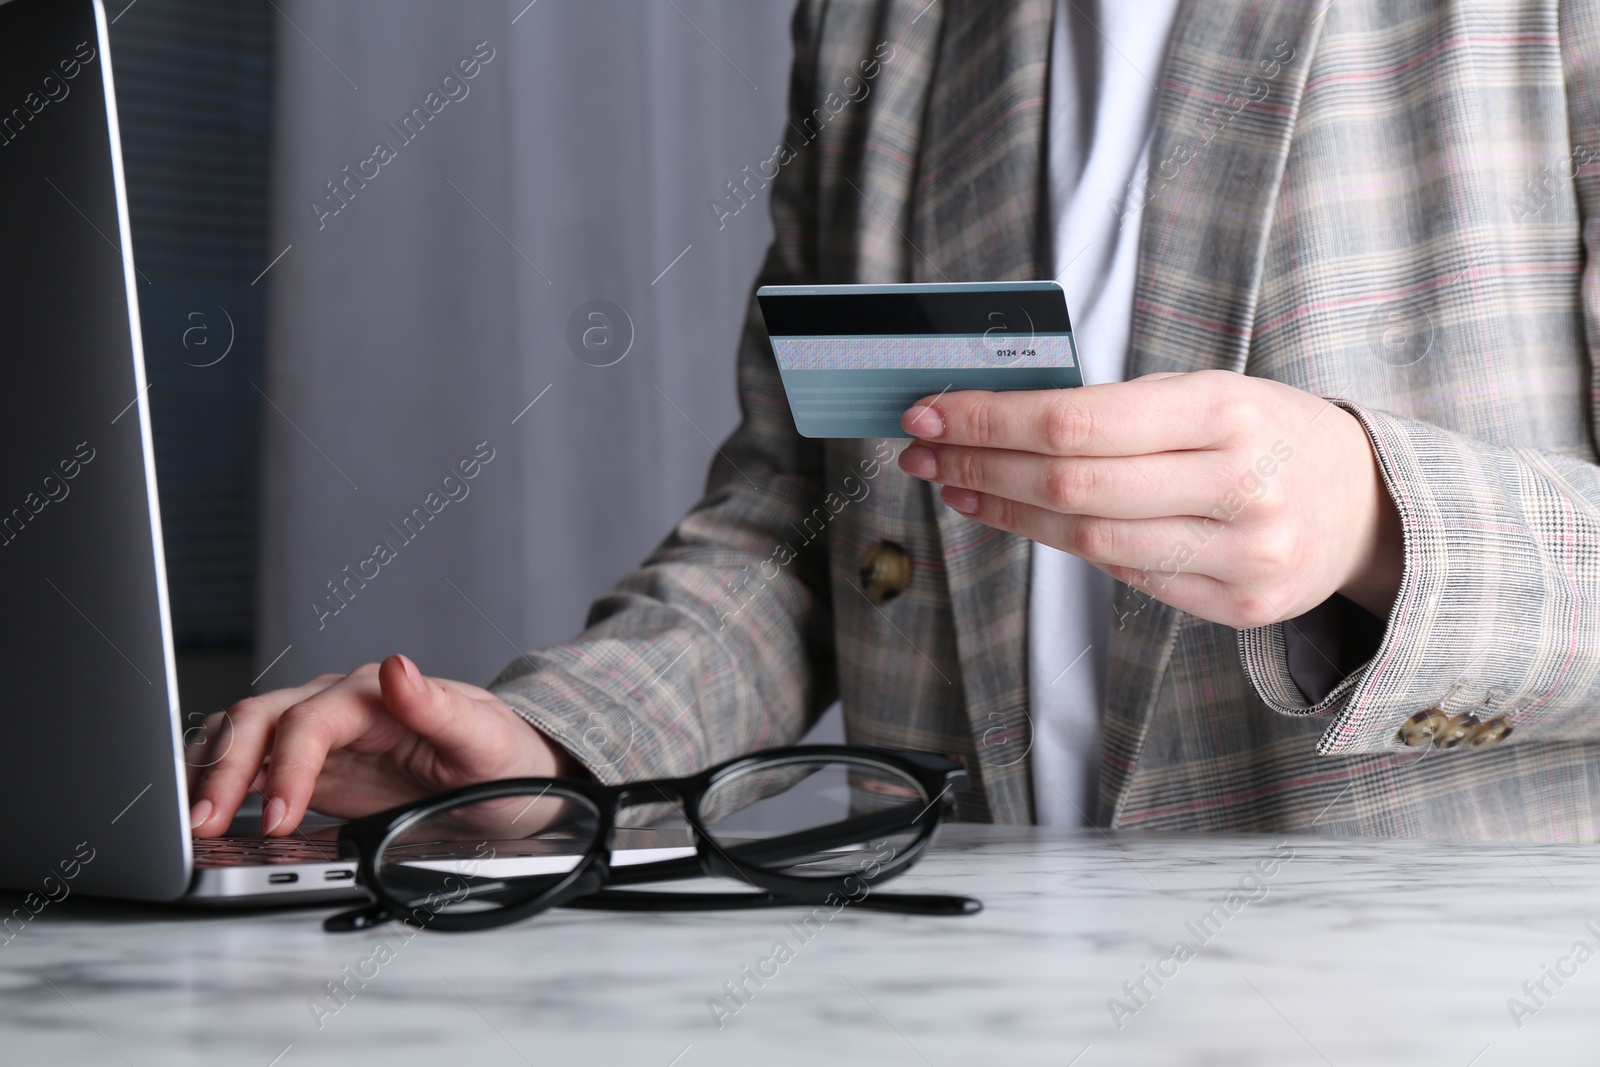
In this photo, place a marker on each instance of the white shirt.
(1105, 63)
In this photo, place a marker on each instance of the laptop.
(92, 773)
(92, 769)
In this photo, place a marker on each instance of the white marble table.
(1352, 952)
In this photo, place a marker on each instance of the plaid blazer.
(1329, 178)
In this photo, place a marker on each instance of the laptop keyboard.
(261, 851)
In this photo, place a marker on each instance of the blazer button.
(1456, 731)
(1422, 728)
(1492, 732)
(885, 571)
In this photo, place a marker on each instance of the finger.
(1117, 419)
(1149, 487)
(1198, 594)
(223, 785)
(1164, 545)
(248, 725)
(439, 713)
(204, 744)
(307, 731)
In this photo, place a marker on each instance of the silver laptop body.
(92, 777)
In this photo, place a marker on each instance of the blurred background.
(384, 238)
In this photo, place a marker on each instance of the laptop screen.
(88, 750)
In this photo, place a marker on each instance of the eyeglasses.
(808, 825)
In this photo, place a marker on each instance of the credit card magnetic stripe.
(826, 310)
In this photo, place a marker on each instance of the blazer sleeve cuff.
(1436, 648)
(603, 730)
(1308, 665)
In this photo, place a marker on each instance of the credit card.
(853, 358)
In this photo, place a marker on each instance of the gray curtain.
(425, 299)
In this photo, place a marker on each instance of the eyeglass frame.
(593, 876)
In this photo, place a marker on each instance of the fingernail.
(199, 813)
(925, 422)
(962, 500)
(273, 814)
(413, 675)
(919, 461)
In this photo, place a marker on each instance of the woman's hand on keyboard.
(352, 745)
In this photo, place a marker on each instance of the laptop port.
(339, 875)
(284, 878)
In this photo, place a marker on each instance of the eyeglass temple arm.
(898, 903)
(628, 900)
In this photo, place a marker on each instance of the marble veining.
(1344, 951)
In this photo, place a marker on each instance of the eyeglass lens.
(815, 817)
(488, 854)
